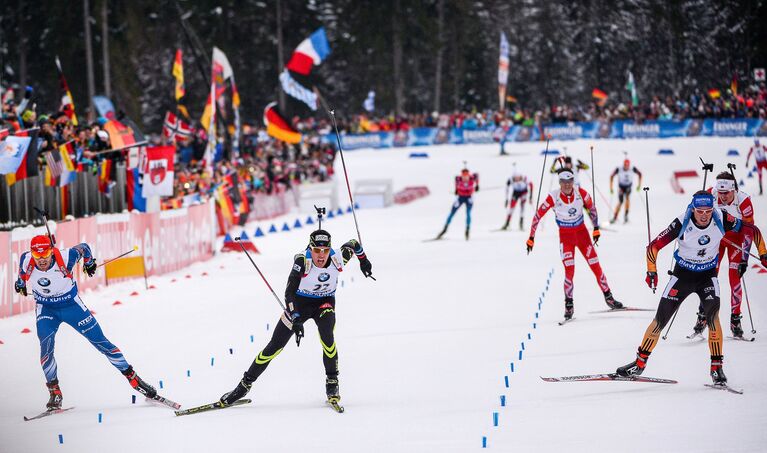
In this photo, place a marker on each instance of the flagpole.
(98, 153)
(26, 204)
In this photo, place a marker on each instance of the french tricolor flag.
(312, 51)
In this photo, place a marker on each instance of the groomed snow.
(424, 350)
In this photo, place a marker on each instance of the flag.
(178, 74)
(631, 86)
(370, 101)
(13, 155)
(734, 84)
(104, 107)
(134, 188)
(237, 122)
(222, 71)
(174, 128)
(28, 166)
(600, 96)
(120, 135)
(311, 52)
(104, 171)
(68, 170)
(277, 127)
(53, 167)
(714, 93)
(503, 70)
(298, 91)
(67, 104)
(210, 149)
(158, 173)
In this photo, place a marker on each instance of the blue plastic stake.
(495, 418)
(61, 438)
(231, 351)
(512, 366)
(251, 337)
(160, 387)
(529, 337)
(523, 345)
(503, 400)
(534, 326)
(188, 373)
(133, 399)
(536, 315)
(99, 417)
(211, 361)
(506, 381)
(484, 442)
(267, 326)
(520, 355)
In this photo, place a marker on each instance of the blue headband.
(705, 201)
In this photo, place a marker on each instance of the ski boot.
(138, 384)
(717, 373)
(611, 302)
(737, 330)
(506, 225)
(442, 233)
(54, 402)
(467, 233)
(700, 324)
(614, 219)
(569, 308)
(331, 388)
(240, 391)
(634, 368)
(521, 224)
(626, 218)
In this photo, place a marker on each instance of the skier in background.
(568, 202)
(625, 176)
(567, 163)
(518, 190)
(760, 157)
(465, 185)
(698, 233)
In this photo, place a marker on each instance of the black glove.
(20, 286)
(763, 259)
(742, 268)
(366, 267)
(90, 267)
(477, 188)
(530, 243)
(298, 326)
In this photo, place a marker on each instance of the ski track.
(424, 350)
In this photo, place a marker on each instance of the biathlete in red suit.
(760, 157)
(568, 203)
(737, 204)
(465, 186)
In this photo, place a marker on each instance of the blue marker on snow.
(503, 400)
(495, 418)
(99, 417)
(506, 381)
(61, 438)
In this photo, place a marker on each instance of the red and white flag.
(174, 128)
(158, 173)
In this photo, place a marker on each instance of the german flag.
(714, 93)
(277, 127)
(67, 104)
(600, 96)
(105, 168)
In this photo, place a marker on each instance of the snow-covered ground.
(425, 350)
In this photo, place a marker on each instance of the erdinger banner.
(158, 173)
(726, 127)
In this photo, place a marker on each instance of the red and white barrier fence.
(168, 240)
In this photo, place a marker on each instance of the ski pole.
(346, 175)
(44, 215)
(706, 168)
(545, 155)
(279, 301)
(647, 210)
(320, 213)
(677, 308)
(135, 247)
(731, 167)
(671, 323)
(593, 182)
(743, 250)
(748, 305)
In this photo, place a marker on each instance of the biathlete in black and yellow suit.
(310, 294)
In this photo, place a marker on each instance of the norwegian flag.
(174, 128)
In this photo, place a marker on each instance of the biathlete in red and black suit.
(465, 185)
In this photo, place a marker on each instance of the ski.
(610, 310)
(333, 403)
(695, 335)
(563, 322)
(432, 240)
(210, 407)
(608, 377)
(749, 339)
(164, 401)
(47, 413)
(724, 387)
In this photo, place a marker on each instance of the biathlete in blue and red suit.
(465, 185)
(47, 272)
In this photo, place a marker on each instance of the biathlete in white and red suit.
(518, 190)
(568, 203)
(736, 203)
(465, 185)
(760, 156)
